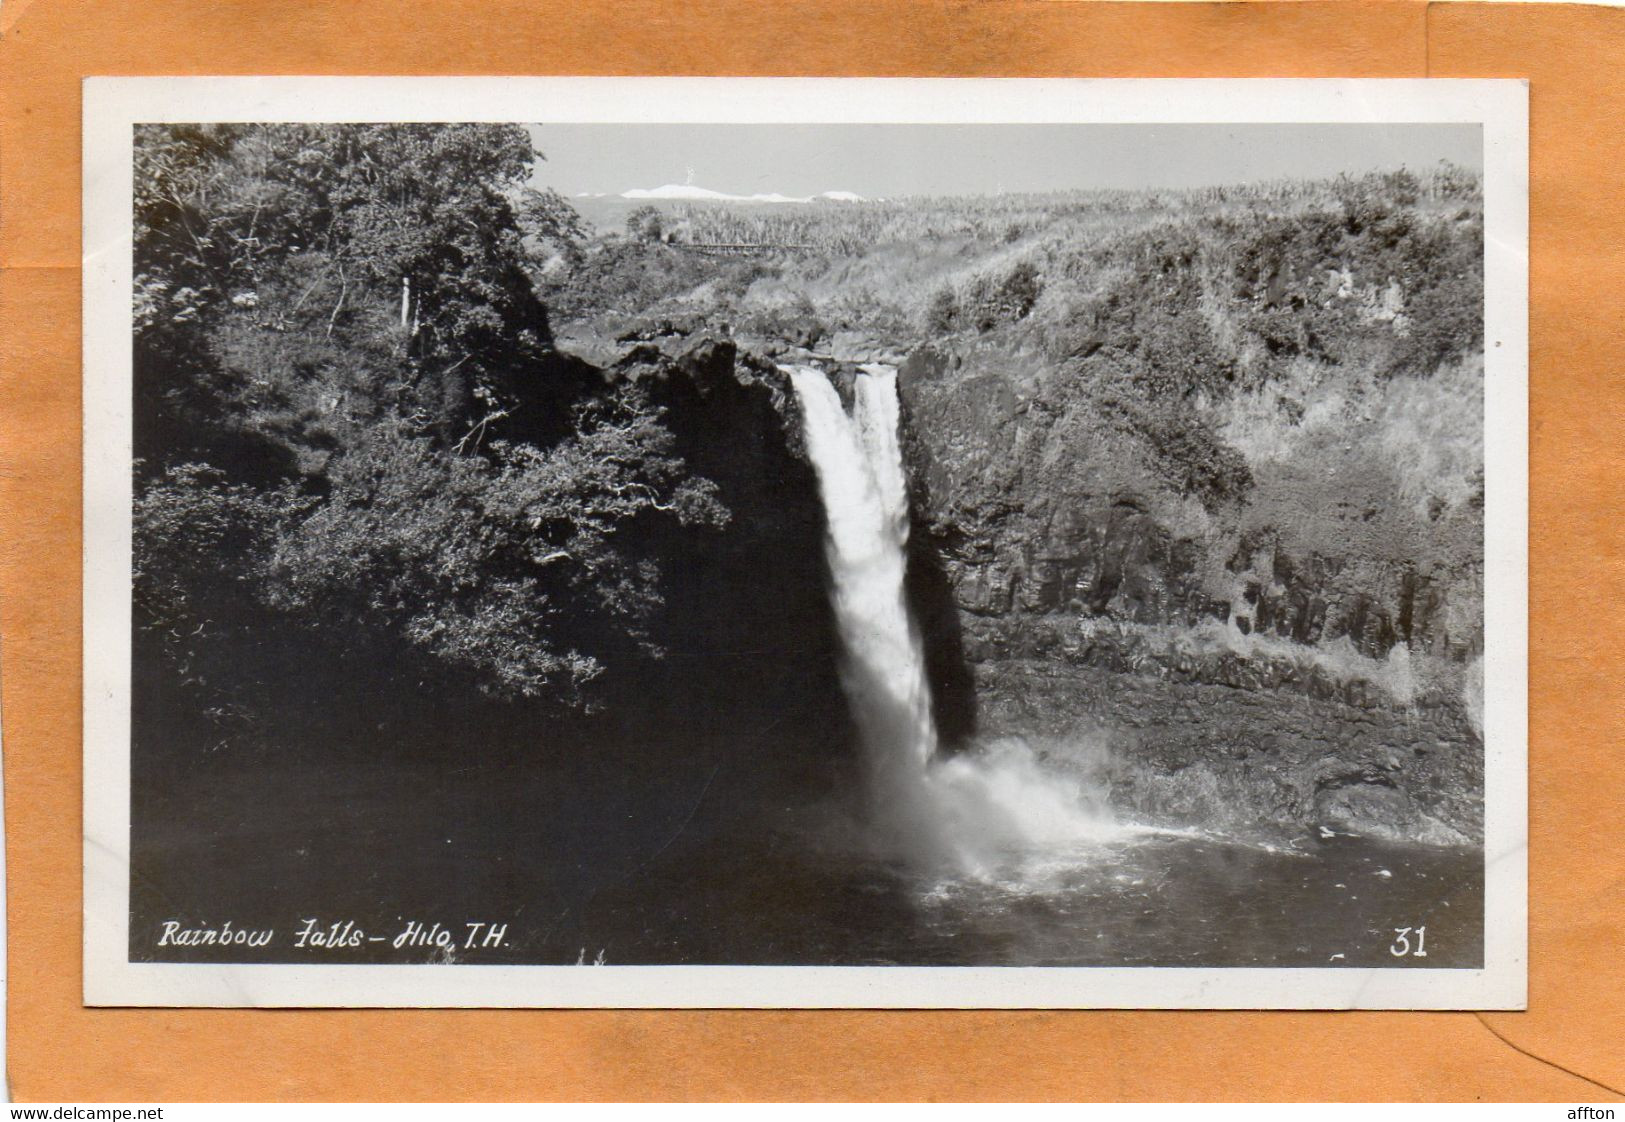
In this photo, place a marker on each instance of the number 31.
(1402, 942)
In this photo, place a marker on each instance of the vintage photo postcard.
(798, 543)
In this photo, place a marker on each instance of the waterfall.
(969, 812)
(865, 495)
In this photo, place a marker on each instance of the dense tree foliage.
(349, 417)
(645, 224)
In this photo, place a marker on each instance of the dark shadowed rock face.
(1238, 675)
(1117, 561)
(749, 676)
(749, 606)
(1024, 530)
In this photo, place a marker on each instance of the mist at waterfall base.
(992, 814)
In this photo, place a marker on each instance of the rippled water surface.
(1153, 900)
(387, 846)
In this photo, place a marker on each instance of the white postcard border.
(114, 105)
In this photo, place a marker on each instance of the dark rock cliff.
(1239, 677)
(1023, 531)
(748, 678)
(1268, 691)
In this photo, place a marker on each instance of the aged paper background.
(1563, 1048)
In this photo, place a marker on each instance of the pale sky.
(894, 160)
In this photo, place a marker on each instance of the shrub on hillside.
(988, 301)
(942, 313)
(644, 224)
(1186, 452)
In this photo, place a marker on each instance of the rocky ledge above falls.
(613, 341)
(657, 351)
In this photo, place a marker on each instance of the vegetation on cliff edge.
(352, 437)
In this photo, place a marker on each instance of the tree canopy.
(336, 342)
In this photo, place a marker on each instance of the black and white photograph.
(838, 542)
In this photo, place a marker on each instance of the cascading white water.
(969, 812)
(860, 476)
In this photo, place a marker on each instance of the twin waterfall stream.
(992, 813)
